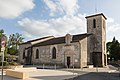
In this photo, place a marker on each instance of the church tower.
(96, 26)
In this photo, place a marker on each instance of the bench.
(17, 74)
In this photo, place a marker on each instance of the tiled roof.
(40, 38)
(60, 40)
(36, 39)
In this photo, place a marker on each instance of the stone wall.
(83, 57)
(45, 55)
(21, 50)
(97, 41)
(104, 41)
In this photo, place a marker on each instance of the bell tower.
(96, 43)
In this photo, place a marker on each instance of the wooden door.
(68, 62)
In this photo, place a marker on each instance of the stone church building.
(78, 50)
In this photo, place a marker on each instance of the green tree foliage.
(108, 45)
(12, 50)
(11, 45)
(14, 41)
(114, 49)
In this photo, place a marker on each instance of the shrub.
(13, 63)
(5, 63)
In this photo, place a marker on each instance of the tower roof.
(96, 15)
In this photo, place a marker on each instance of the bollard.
(73, 69)
(96, 69)
(55, 66)
(82, 69)
(43, 66)
(67, 66)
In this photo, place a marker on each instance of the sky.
(40, 18)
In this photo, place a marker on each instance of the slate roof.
(60, 40)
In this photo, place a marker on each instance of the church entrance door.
(97, 59)
(28, 57)
(68, 61)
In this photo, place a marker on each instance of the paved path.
(68, 74)
(45, 74)
(97, 76)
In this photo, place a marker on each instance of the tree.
(12, 50)
(114, 49)
(108, 45)
(11, 45)
(14, 41)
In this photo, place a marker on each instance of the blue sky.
(38, 18)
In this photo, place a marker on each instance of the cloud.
(69, 6)
(35, 27)
(62, 6)
(112, 29)
(68, 23)
(110, 20)
(14, 8)
(51, 5)
(112, 26)
(56, 27)
(27, 34)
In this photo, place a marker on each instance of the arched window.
(54, 53)
(37, 54)
(94, 23)
(24, 54)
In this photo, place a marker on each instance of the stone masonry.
(78, 50)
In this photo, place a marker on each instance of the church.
(79, 50)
